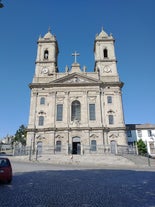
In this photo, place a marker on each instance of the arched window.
(42, 100)
(46, 54)
(111, 119)
(58, 146)
(76, 110)
(105, 53)
(93, 145)
(41, 121)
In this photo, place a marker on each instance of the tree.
(1, 5)
(20, 135)
(142, 148)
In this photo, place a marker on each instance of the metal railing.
(67, 150)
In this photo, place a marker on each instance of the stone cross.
(75, 54)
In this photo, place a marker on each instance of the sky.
(75, 24)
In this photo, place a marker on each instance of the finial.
(49, 29)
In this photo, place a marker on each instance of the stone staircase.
(140, 160)
(104, 160)
(89, 160)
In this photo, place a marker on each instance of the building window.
(109, 99)
(92, 112)
(129, 133)
(46, 54)
(149, 133)
(42, 100)
(93, 145)
(41, 120)
(105, 53)
(111, 119)
(76, 111)
(59, 112)
(139, 132)
(58, 146)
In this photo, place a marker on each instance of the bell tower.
(105, 60)
(47, 54)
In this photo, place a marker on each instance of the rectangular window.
(41, 121)
(129, 133)
(59, 112)
(149, 133)
(109, 99)
(58, 146)
(93, 145)
(111, 119)
(139, 132)
(92, 112)
(42, 100)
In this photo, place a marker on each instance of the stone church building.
(75, 111)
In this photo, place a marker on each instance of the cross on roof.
(75, 54)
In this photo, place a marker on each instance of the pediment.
(114, 136)
(75, 78)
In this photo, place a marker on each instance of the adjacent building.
(75, 111)
(146, 132)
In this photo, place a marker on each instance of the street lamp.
(153, 138)
(30, 154)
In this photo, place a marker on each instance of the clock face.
(44, 70)
(107, 69)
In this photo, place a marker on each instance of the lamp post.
(148, 158)
(30, 154)
(153, 138)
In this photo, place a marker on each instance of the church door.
(113, 145)
(39, 148)
(76, 146)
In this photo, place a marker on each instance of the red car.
(5, 170)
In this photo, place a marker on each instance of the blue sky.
(75, 24)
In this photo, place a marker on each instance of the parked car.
(5, 170)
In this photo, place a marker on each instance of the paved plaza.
(46, 185)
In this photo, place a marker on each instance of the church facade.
(75, 111)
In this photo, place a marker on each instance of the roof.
(140, 126)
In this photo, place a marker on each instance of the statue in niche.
(84, 69)
(67, 69)
(46, 54)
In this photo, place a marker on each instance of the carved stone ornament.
(58, 137)
(107, 69)
(94, 136)
(76, 80)
(114, 136)
(92, 98)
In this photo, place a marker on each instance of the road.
(44, 185)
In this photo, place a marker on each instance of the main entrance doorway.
(76, 146)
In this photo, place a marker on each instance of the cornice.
(107, 129)
(52, 85)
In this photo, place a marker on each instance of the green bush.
(142, 148)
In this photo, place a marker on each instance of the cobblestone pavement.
(45, 185)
